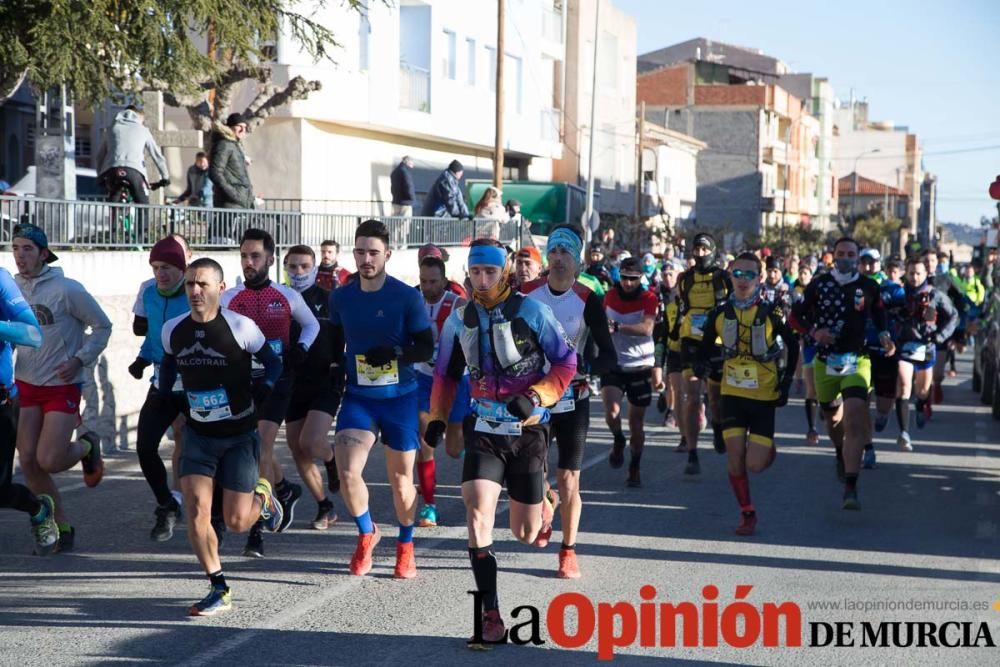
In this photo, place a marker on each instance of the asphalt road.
(927, 536)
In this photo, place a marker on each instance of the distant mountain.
(956, 232)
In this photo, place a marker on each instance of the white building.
(413, 78)
(669, 161)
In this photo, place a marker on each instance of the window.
(470, 47)
(450, 55)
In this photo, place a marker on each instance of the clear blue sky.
(933, 65)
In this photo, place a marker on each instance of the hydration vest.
(759, 348)
(448, 305)
(514, 346)
(688, 281)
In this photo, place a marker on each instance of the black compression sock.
(851, 481)
(810, 404)
(692, 455)
(870, 445)
(899, 414)
(484, 569)
(218, 579)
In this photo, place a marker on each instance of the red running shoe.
(361, 561)
(747, 524)
(406, 565)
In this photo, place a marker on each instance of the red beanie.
(170, 251)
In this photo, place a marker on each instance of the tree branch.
(297, 89)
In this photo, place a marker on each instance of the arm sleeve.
(597, 322)
(948, 319)
(23, 330)
(157, 156)
(85, 308)
(272, 363)
(304, 316)
(448, 370)
(561, 357)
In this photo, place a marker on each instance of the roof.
(711, 51)
(866, 186)
(654, 134)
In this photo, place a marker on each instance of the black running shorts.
(635, 384)
(569, 430)
(517, 461)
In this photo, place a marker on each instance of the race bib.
(698, 325)
(276, 346)
(914, 351)
(376, 376)
(494, 418)
(155, 380)
(845, 363)
(209, 406)
(566, 402)
(742, 374)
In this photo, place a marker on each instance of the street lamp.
(854, 184)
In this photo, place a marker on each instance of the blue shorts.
(808, 355)
(463, 398)
(395, 418)
(929, 358)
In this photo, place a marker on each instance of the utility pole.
(638, 162)
(498, 132)
(588, 232)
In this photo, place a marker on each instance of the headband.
(564, 238)
(484, 254)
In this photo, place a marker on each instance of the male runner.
(163, 300)
(273, 308)
(384, 325)
(330, 275)
(439, 303)
(581, 314)
(701, 288)
(631, 311)
(519, 364)
(667, 350)
(806, 358)
(48, 376)
(885, 370)
(314, 401)
(211, 348)
(834, 310)
(756, 376)
(527, 265)
(18, 326)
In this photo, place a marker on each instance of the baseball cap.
(871, 253)
(37, 236)
(530, 252)
(429, 250)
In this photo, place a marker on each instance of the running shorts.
(518, 461)
(885, 372)
(233, 460)
(569, 430)
(853, 385)
(275, 406)
(326, 400)
(745, 416)
(51, 398)
(395, 418)
(635, 384)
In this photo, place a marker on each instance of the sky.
(933, 66)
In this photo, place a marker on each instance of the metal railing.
(373, 207)
(414, 88)
(88, 224)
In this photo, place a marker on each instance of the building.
(669, 175)
(614, 110)
(881, 151)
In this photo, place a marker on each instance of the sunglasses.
(742, 274)
(630, 278)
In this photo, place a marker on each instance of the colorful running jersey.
(391, 316)
(634, 352)
(438, 313)
(272, 307)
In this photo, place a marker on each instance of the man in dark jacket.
(403, 193)
(228, 169)
(445, 197)
(199, 186)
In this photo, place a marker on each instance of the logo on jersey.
(43, 315)
(199, 349)
(379, 314)
(199, 334)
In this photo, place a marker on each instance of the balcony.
(775, 154)
(414, 88)
(552, 25)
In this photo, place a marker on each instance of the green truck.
(545, 204)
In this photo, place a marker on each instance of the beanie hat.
(234, 119)
(168, 250)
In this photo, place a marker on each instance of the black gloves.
(136, 368)
(260, 391)
(297, 355)
(521, 406)
(338, 378)
(380, 356)
(434, 433)
(783, 391)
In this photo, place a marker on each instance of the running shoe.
(67, 539)
(325, 516)
(406, 565)
(812, 437)
(718, 441)
(332, 476)
(92, 463)
(669, 420)
(549, 502)
(218, 599)
(633, 481)
(254, 548)
(493, 629)
(288, 502)
(428, 516)
(271, 513)
(868, 458)
(841, 472)
(361, 561)
(748, 524)
(938, 393)
(693, 467)
(682, 446)
(44, 529)
(851, 500)
(568, 568)
(166, 518)
(904, 442)
(880, 421)
(616, 459)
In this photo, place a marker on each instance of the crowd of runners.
(499, 369)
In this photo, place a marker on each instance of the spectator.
(329, 274)
(445, 198)
(125, 147)
(199, 185)
(228, 169)
(403, 193)
(489, 212)
(513, 207)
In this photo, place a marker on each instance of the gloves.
(783, 392)
(297, 355)
(380, 355)
(136, 368)
(260, 391)
(338, 378)
(434, 433)
(521, 406)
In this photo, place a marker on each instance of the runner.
(18, 326)
(667, 353)
(527, 265)
(927, 319)
(885, 370)
(833, 312)
(384, 324)
(431, 250)
(314, 402)
(506, 340)
(439, 304)
(48, 376)
(775, 290)
(211, 348)
(581, 314)
(330, 274)
(631, 312)
(273, 308)
(701, 288)
(164, 299)
(756, 376)
(598, 267)
(806, 358)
